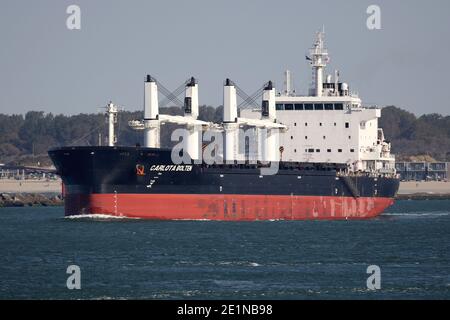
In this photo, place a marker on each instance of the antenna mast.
(319, 59)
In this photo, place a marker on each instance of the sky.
(45, 66)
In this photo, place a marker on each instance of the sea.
(403, 254)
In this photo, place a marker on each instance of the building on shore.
(423, 171)
(27, 173)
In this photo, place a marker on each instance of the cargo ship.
(290, 157)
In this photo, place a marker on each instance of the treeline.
(414, 138)
(23, 139)
(26, 139)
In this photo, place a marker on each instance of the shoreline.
(423, 196)
(423, 190)
(31, 200)
(29, 193)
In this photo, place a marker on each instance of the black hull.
(107, 170)
(112, 171)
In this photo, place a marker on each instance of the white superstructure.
(151, 124)
(330, 124)
(111, 113)
(231, 122)
(151, 114)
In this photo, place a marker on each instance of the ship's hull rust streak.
(226, 207)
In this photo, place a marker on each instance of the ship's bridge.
(330, 124)
(308, 103)
(331, 130)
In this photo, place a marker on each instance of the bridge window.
(309, 106)
(279, 106)
(328, 106)
(338, 106)
(318, 106)
(288, 106)
(299, 106)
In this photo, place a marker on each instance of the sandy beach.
(30, 186)
(432, 187)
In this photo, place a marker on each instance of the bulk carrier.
(293, 157)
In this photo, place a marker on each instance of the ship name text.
(171, 167)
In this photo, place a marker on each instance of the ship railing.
(281, 165)
(370, 174)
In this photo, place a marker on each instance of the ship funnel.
(191, 99)
(111, 112)
(151, 113)
(229, 102)
(268, 102)
(191, 110)
(268, 112)
(151, 108)
(230, 120)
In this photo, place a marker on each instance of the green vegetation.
(26, 139)
(416, 139)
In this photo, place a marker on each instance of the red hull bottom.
(225, 207)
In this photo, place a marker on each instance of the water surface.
(122, 258)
